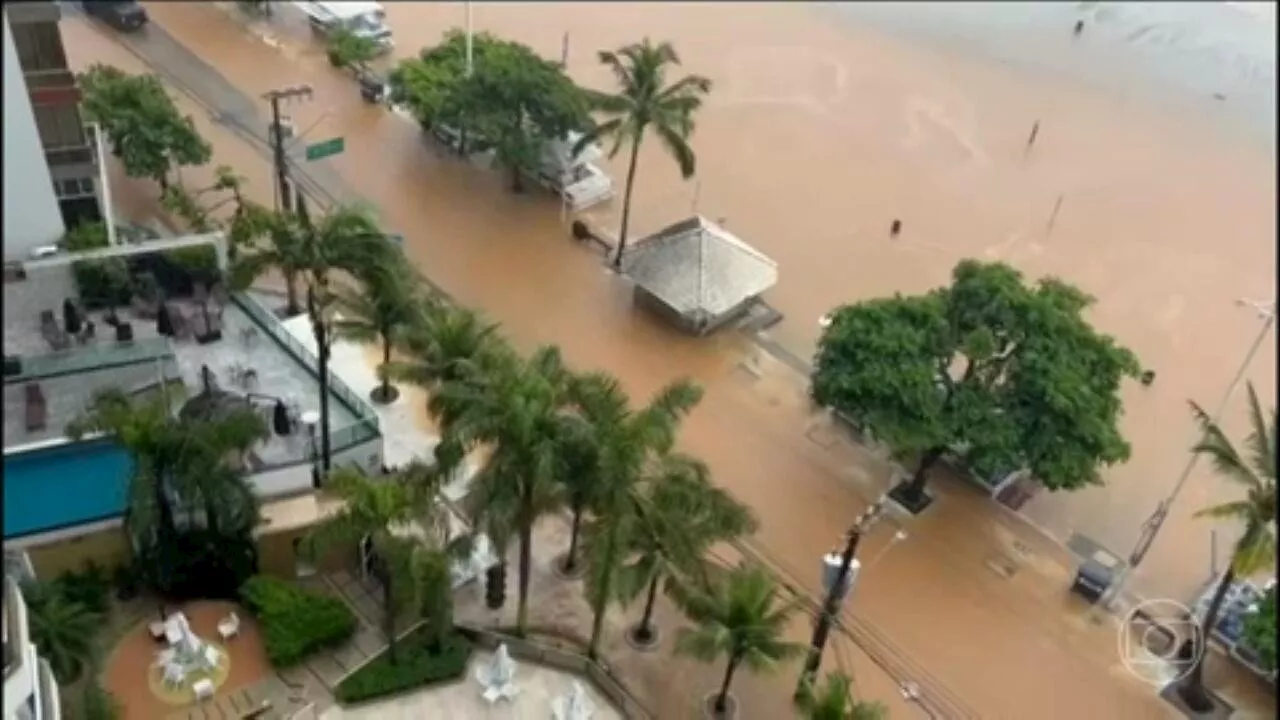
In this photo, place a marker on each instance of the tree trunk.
(645, 631)
(386, 364)
(1192, 689)
(722, 700)
(600, 603)
(571, 562)
(526, 568)
(322, 350)
(388, 615)
(291, 307)
(927, 461)
(626, 202)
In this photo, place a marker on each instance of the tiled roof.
(697, 267)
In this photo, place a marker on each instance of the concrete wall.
(290, 480)
(108, 548)
(27, 183)
(278, 556)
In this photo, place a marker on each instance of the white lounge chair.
(229, 627)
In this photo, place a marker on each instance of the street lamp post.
(911, 693)
(1151, 527)
(311, 419)
(839, 586)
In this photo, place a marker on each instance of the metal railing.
(367, 425)
(92, 357)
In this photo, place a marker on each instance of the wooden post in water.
(1053, 217)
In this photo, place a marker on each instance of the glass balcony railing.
(91, 357)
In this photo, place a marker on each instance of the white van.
(363, 19)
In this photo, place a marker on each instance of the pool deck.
(244, 345)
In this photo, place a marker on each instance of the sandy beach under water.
(822, 128)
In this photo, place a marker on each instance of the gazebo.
(697, 275)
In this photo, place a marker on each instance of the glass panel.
(92, 357)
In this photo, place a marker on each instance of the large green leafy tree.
(743, 617)
(184, 468)
(147, 132)
(632, 450)
(512, 102)
(345, 239)
(516, 407)
(834, 700)
(646, 102)
(1011, 375)
(378, 310)
(1255, 471)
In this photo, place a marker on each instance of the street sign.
(324, 149)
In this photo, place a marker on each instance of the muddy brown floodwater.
(817, 135)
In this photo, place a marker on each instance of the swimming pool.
(63, 486)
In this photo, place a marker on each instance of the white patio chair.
(203, 689)
(229, 627)
(211, 655)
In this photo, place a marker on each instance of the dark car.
(125, 16)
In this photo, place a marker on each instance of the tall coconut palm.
(743, 617)
(583, 483)
(285, 252)
(345, 239)
(385, 511)
(515, 407)
(62, 630)
(834, 701)
(681, 516)
(378, 311)
(630, 446)
(1255, 470)
(645, 101)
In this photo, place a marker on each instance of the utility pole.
(470, 44)
(280, 160)
(1152, 526)
(836, 592)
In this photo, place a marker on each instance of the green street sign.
(324, 149)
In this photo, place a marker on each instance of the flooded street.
(817, 135)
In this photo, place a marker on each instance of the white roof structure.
(696, 267)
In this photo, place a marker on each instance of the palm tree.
(378, 311)
(739, 617)
(581, 478)
(629, 446)
(345, 239)
(1256, 548)
(643, 102)
(515, 406)
(387, 512)
(680, 518)
(834, 701)
(62, 630)
(286, 253)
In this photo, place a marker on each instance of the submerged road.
(971, 606)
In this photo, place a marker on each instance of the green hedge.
(295, 622)
(415, 667)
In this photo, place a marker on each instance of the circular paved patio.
(129, 668)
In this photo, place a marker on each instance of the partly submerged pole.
(470, 43)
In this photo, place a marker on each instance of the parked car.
(125, 16)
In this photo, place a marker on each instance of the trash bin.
(1093, 579)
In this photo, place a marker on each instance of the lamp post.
(911, 693)
(311, 419)
(840, 582)
(1150, 528)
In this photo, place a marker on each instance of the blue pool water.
(64, 486)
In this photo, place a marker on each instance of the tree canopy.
(1008, 374)
(513, 102)
(1260, 629)
(147, 132)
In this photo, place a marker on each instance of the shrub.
(416, 665)
(126, 581)
(100, 704)
(295, 622)
(90, 587)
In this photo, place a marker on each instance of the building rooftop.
(696, 267)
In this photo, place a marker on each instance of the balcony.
(63, 156)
